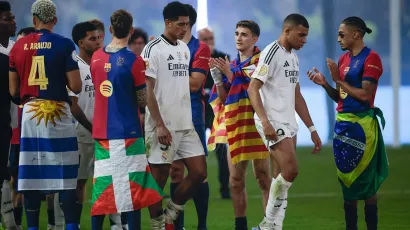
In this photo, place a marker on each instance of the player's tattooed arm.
(363, 94)
(331, 92)
(14, 84)
(142, 97)
(79, 114)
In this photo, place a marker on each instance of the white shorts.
(282, 131)
(86, 169)
(185, 144)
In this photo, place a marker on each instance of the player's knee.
(290, 173)
(201, 175)
(237, 184)
(176, 173)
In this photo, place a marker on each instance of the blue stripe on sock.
(31, 144)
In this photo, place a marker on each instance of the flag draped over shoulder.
(122, 177)
(234, 123)
(49, 155)
(360, 154)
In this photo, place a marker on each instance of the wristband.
(312, 128)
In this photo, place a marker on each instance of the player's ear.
(131, 31)
(55, 20)
(111, 30)
(167, 23)
(34, 21)
(255, 39)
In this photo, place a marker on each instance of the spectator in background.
(138, 40)
(207, 36)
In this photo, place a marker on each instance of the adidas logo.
(88, 77)
(170, 58)
(286, 64)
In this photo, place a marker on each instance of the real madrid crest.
(146, 64)
(107, 67)
(186, 56)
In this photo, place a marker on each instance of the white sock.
(173, 210)
(58, 214)
(125, 226)
(116, 218)
(7, 206)
(158, 223)
(277, 202)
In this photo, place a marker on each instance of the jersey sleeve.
(71, 58)
(201, 60)
(373, 68)
(138, 73)
(267, 64)
(151, 59)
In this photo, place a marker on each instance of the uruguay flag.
(49, 157)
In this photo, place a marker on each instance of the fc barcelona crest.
(107, 67)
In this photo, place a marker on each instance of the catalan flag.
(234, 123)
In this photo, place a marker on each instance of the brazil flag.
(360, 154)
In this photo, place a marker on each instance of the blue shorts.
(200, 129)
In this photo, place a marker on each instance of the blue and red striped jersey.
(366, 66)
(41, 60)
(116, 77)
(200, 54)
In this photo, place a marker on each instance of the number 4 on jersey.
(37, 67)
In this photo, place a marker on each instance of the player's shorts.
(185, 144)
(14, 160)
(282, 131)
(86, 169)
(200, 130)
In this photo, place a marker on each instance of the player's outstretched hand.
(316, 76)
(269, 131)
(164, 135)
(334, 69)
(316, 140)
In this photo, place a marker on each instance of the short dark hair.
(4, 6)
(192, 14)
(358, 23)
(297, 19)
(251, 25)
(138, 32)
(26, 31)
(98, 24)
(121, 22)
(80, 31)
(173, 10)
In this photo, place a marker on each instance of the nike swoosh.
(96, 60)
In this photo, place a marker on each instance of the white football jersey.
(279, 71)
(168, 64)
(86, 101)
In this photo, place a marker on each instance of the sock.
(173, 210)
(32, 203)
(201, 199)
(277, 202)
(179, 222)
(7, 206)
(71, 207)
(134, 220)
(97, 222)
(115, 220)
(124, 221)
(241, 223)
(73, 226)
(370, 212)
(350, 216)
(18, 214)
(157, 223)
(51, 219)
(58, 214)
